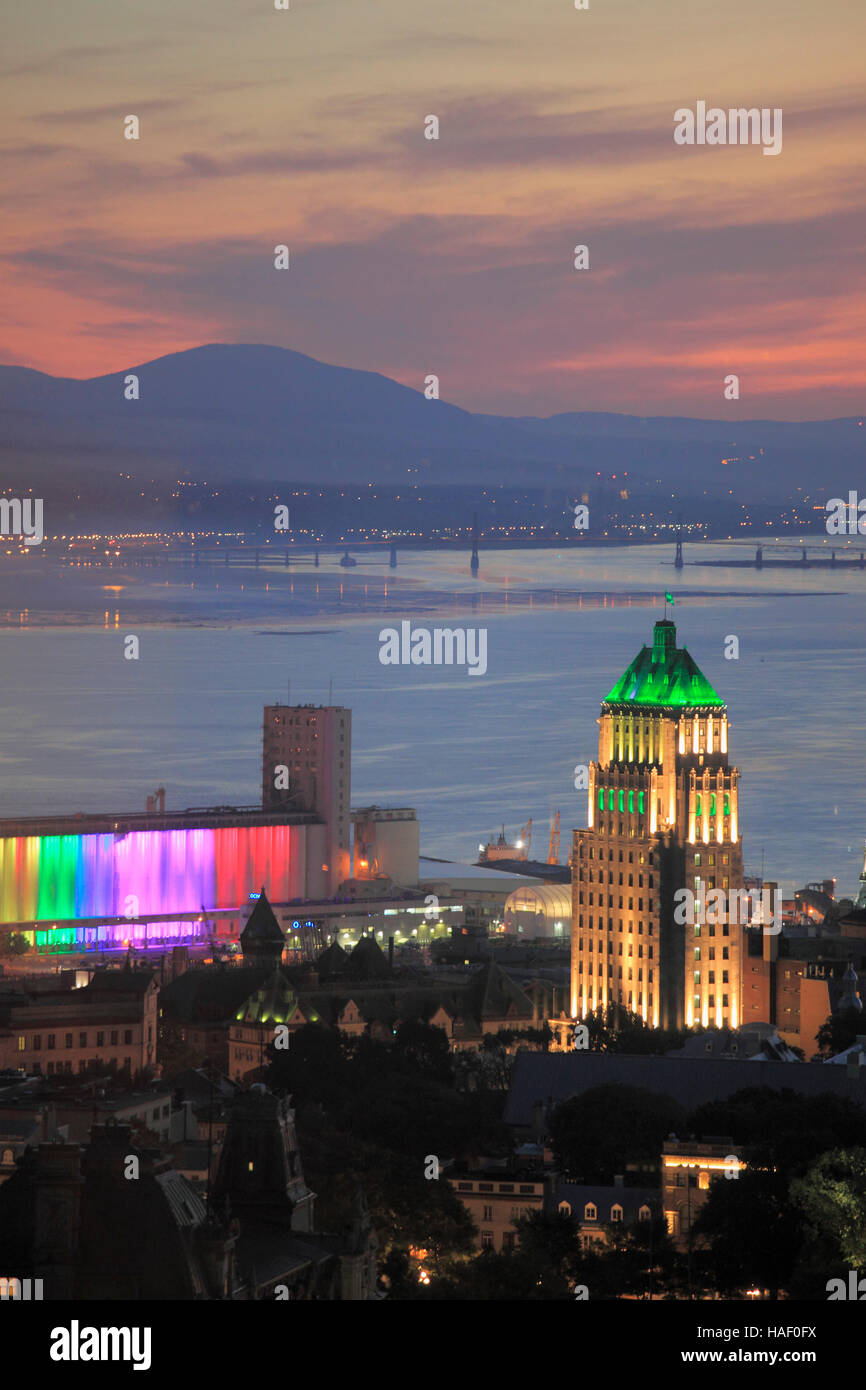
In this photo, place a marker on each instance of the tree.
(424, 1049)
(783, 1129)
(753, 1231)
(640, 1259)
(15, 944)
(840, 1031)
(596, 1134)
(832, 1199)
(489, 1277)
(174, 1055)
(549, 1242)
(407, 1209)
(315, 1066)
(616, 1029)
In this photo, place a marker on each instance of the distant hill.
(230, 412)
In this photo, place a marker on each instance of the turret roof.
(262, 925)
(664, 675)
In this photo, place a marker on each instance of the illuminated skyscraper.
(662, 816)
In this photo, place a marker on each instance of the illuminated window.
(616, 1213)
(589, 1212)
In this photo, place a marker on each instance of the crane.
(553, 852)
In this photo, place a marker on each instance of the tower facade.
(662, 816)
(260, 1172)
(307, 766)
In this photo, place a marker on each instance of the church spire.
(850, 996)
(262, 939)
(861, 896)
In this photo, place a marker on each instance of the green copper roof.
(664, 674)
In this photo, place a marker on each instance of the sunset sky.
(454, 257)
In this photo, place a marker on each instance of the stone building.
(111, 1021)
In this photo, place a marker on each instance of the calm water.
(84, 729)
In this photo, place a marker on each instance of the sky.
(454, 256)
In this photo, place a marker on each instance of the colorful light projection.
(51, 877)
(142, 936)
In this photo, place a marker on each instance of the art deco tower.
(662, 816)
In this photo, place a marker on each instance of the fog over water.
(84, 729)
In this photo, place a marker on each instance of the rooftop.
(664, 675)
(123, 823)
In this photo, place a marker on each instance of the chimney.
(618, 1180)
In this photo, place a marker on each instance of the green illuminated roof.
(274, 1002)
(664, 674)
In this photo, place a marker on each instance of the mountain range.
(236, 412)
